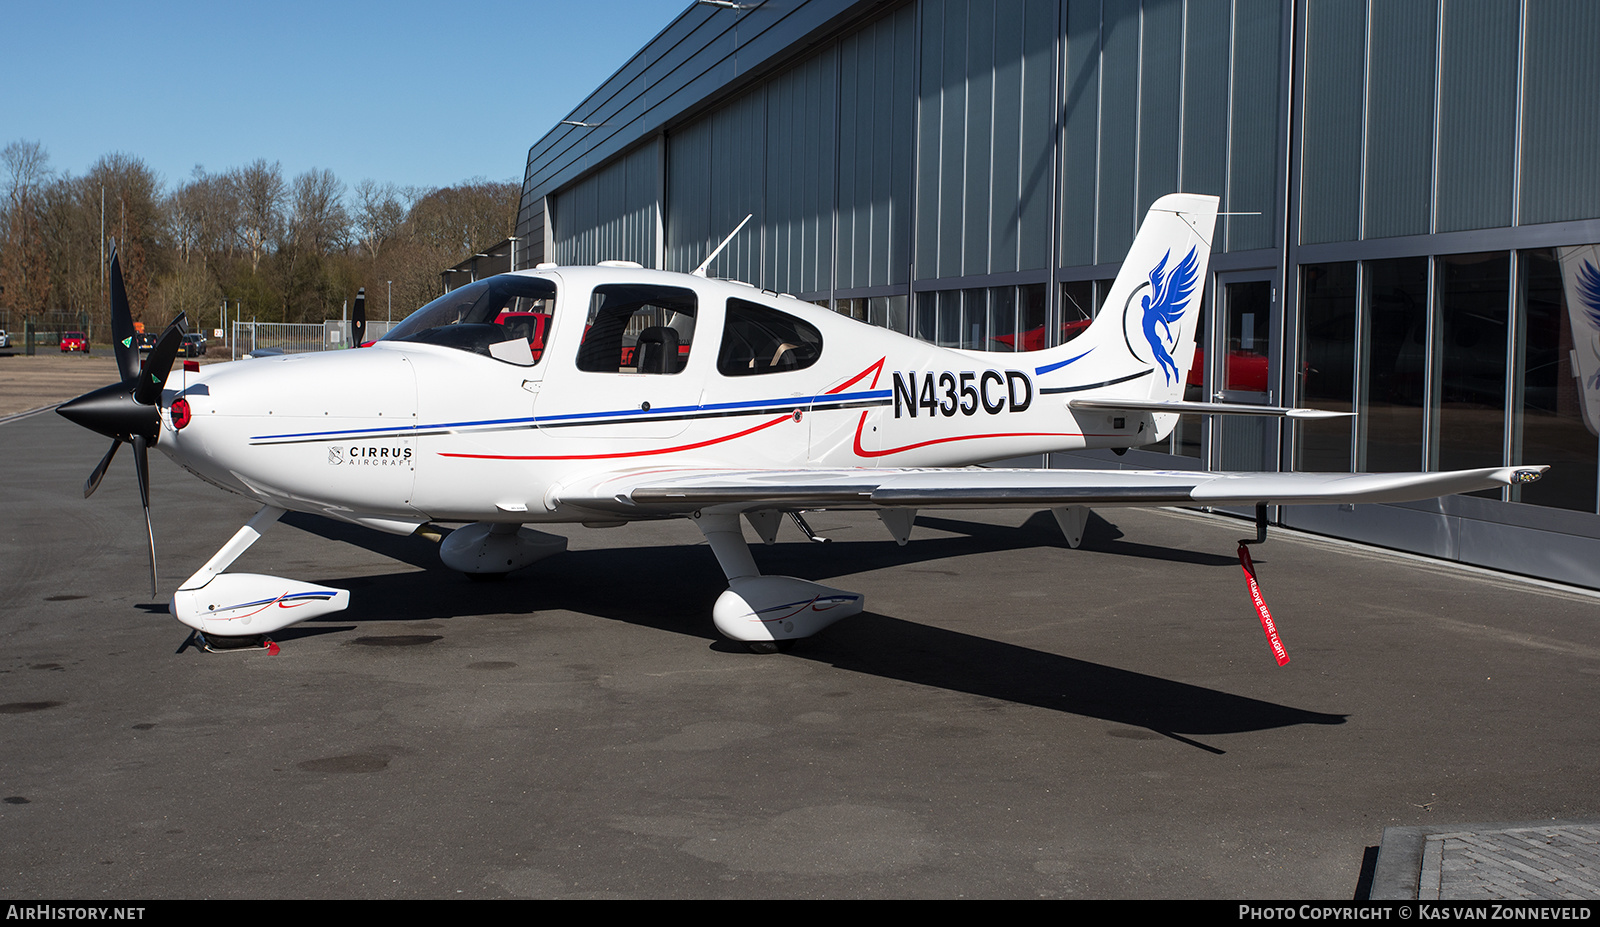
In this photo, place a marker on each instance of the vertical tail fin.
(1141, 345)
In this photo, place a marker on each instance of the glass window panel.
(892, 312)
(944, 324)
(1032, 300)
(1187, 436)
(638, 329)
(1326, 377)
(1102, 289)
(854, 308)
(1003, 330)
(1077, 309)
(1249, 319)
(1395, 348)
(973, 334)
(927, 321)
(504, 317)
(1473, 327)
(1551, 426)
(758, 340)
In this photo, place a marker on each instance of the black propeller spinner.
(129, 411)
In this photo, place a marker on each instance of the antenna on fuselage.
(701, 270)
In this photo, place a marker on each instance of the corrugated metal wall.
(613, 213)
(877, 71)
(1410, 124)
(930, 144)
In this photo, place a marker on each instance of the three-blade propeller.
(129, 411)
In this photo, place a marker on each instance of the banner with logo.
(1580, 275)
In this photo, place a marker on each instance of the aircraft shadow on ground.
(672, 588)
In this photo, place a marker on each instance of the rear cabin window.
(638, 329)
(757, 340)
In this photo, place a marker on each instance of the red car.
(74, 341)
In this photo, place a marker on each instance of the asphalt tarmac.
(1010, 717)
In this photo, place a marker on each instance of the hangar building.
(1414, 189)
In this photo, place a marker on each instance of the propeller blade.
(358, 319)
(122, 333)
(153, 376)
(93, 483)
(141, 463)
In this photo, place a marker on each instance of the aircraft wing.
(675, 490)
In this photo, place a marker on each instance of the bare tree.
(185, 216)
(24, 252)
(134, 217)
(27, 167)
(378, 214)
(203, 216)
(467, 217)
(318, 221)
(261, 193)
(188, 289)
(70, 213)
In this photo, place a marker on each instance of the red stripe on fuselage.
(787, 416)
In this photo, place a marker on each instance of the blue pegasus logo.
(1589, 293)
(1163, 307)
(1588, 286)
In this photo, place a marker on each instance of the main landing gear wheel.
(766, 613)
(218, 643)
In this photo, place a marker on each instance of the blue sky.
(425, 94)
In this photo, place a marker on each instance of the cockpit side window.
(506, 317)
(758, 340)
(637, 328)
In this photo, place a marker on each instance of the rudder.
(1149, 318)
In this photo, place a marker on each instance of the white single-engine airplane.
(609, 394)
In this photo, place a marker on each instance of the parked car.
(74, 342)
(194, 345)
(5, 339)
(144, 341)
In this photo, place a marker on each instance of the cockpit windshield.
(506, 317)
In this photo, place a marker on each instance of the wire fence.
(48, 327)
(259, 338)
